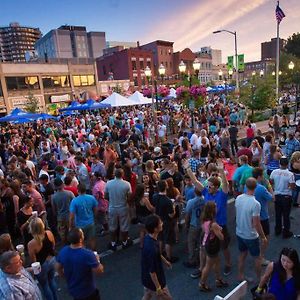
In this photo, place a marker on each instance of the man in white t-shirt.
(162, 131)
(248, 228)
(283, 183)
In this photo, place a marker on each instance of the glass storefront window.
(91, 79)
(22, 83)
(76, 80)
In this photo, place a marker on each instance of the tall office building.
(268, 49)
(216, 55)
(71, 42)
(15, 40)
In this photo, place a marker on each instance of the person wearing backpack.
(211, 243)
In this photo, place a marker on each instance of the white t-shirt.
(162, 129)
(246, 207)
(282, 179)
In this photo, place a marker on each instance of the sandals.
(204, 288)
(220, 283)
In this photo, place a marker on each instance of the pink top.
(206, 229)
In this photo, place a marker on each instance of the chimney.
(138, 44)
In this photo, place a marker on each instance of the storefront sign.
(60, 98)
(23, 100)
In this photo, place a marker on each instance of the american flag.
(279, 14)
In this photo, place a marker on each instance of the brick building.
(126, 64)
(162, 54)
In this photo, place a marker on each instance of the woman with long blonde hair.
(41, 249)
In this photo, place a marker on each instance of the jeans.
(283, 205)
(47, 281)
(193, 243)
(234, 147)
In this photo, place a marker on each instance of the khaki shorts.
(118, 217)
(62, 229)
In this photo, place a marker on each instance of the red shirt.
(72, 189)
(250, 132)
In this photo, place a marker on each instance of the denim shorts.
(249, 245)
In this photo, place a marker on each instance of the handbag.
(212, 243)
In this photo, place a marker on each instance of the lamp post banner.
(241, 63)
(230, 63)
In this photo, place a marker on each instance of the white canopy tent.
(116, 99)
(172, 93)
(139, 99)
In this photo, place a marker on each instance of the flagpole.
(277, 60)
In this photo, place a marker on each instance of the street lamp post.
(296, 79)
(148, 74)
(236, 55)
(261, 73)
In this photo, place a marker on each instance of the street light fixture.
(273, 73)
(230, 72)
(261, 73)
(291, 65)
(253, 73)
(220, 73)
(236, 55)
(148, 72)
(162, 72)
(182, 67)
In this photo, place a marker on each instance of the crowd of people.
(65, 183)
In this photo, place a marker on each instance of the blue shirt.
(83, 209)
(78, 264)
(193, 209)
(220, 198)
(239, 172)
(189, 192)
(151, 263)
(262, 195)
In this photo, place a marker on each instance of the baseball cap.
(157, 149)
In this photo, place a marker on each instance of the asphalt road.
(121, 279)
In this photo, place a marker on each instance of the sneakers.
(227, 270)
(112, 247)
(127, 244)
(196, 274)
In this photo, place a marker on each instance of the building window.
(104, 70)
(83, 80)
(56, 81)
(1, 92)
(133, 63)
(135, 81)
(141, 64)
(22, 83)
(149, 64)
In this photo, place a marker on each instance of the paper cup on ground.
(36, 267)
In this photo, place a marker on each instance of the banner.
(230, 63)
(241, 63)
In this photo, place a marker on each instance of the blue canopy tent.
(42, 116)
(220, 88)
(22, 121)
(16, 114)
(73, 106)
(91, 105)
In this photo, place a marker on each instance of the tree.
(32, 104)
(259, 93)
(293, 45)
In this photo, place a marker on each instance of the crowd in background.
(65, 183)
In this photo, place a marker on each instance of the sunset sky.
(188, 23)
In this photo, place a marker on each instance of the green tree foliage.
(293, 45)
(33, 103)
(259, 93)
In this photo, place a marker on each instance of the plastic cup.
(36, 267)
(20, 248)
